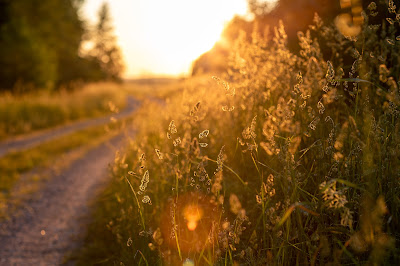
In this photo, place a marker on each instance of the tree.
(40, 45)
(266, 18)
(105, 50)
(259, 8)
(39, 42)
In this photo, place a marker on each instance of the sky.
(163, 37)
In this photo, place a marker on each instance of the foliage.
(40, 45)
(39, 41)
(287, 159)
(105, 49)
(266, 17)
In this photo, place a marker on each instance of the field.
(27, 113)
(287, 159)
(290, 155)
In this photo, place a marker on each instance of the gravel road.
(52, 224)
(24, 142)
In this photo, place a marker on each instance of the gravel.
(53, 222)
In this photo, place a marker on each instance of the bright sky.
(163, 37)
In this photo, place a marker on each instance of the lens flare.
(188, 262)
(193, 213)
(190, 221)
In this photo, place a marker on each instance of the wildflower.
(345, 27)
(145, 181)
(249, 132)
(157, 237)
(314, 123)
(151, 246)
(226, 108)
(392, 7)
(334, 198)
(258, 199)
(172, 127)
(159, 154)
(216, 187)
(390, 20)
(129, 242)
(146, 199)
(177, 141)
(330, 75)
(194, 109)
(383, 73)
(220, 159)
(204, 134)
(269, 186)
(235, 204)
(390, 41)
(346, 218)
(372, 6)
(321, 107)
(269, 148)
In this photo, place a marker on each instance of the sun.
(164, 37)
(180, 31)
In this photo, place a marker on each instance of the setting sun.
(164, 37)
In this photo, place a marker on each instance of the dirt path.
(51, 224)
(37, 138)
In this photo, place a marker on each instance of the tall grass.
(288, 159)
(26, 113)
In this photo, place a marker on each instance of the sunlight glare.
(193, 213)
(159, 37)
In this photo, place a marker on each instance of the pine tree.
(106, 50)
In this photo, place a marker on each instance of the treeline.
(40, 45)
(296, 16)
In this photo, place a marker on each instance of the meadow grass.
(288, 159)
(44, 156)
(26, 113)
(153, 88)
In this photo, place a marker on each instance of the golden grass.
(22, 114)
(156, 88)
(288, 159)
